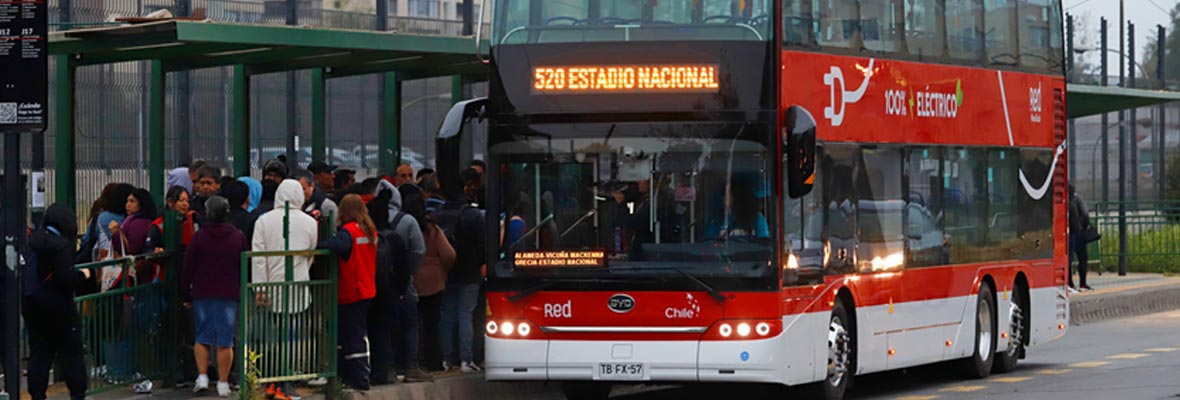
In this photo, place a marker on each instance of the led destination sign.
(592, 258)
(626, 79)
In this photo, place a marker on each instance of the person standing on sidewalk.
(465, 224)
(55, 329)
(1081, 233)
(210, 287)
(269, 236)
(356, 246)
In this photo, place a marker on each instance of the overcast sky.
(1145, 14)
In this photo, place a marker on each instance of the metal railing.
(125, 328)
(1153, 236)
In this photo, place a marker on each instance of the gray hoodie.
(406, 228)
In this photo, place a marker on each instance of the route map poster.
(24, 67)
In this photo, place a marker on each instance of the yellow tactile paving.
(1162, 349)
(1127, 356)
(1089, 364)
(1053, 371)
(1011, 379)
(963, 388)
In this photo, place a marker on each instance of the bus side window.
(1036, 36)
(926, 241)
(1002, 219)
(880, 209)
(926, 28)
(965, 201)
(1003, 31)
(840, 208)
(1036, 215)
(964, 26)
(799, 23)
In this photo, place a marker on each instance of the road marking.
(917, 398)
(1011, 379)
(1127, 356)
(1162, 349)
(963, 389)
(1053, 371)
(1089, 364)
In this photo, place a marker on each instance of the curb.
(1147, 299)
(463, 387)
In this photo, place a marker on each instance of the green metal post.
(319, 114)
(156, 131)
(456, 89)
(390, 154)
(241, 130)
(65, 162)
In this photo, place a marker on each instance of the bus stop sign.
(24, 69)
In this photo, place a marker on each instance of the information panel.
(23, 65)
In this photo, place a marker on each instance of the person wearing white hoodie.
(269, 236)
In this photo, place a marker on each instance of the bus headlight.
(523, 329)
(762, 328)
(507, 328)
(725, 330)
(492, 327)
(743, 329)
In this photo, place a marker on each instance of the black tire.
(1017, 333)
(980, 364)
(841, 353)
(586, 390)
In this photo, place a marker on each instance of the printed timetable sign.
(625, 79)
(23, 65)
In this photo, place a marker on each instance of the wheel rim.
(985, 330)
(838, 351)
(1016, 326)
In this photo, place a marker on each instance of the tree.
(1172, 52)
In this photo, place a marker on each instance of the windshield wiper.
(713, 292)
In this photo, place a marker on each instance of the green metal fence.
(1153, 236)
(125, 328)
(286, 330)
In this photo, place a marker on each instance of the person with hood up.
(355, 244)
(255, 192)
(405, 252)
(209, 287)
(179, 177)
(55, 329)
(268, 236)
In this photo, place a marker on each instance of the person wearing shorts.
(211, 287)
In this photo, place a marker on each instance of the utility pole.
(1161, 160)
(1104, 79)
(1122, 144)
(1070, 138)
(1134, 138)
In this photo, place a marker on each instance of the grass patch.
(1155, 251)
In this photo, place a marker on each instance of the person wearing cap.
(210, 286)
(323, 176)
(274, 170)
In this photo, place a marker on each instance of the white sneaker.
(318, 382)
(469, 367)
(223, 389)
(1072, 291)
(446, 366)
(201, 385)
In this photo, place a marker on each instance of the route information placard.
(24, 67)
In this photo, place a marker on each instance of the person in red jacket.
(356, 246)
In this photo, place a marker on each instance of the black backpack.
(448, 217)
(398, 251)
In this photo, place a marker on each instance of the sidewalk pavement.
(1113, 297)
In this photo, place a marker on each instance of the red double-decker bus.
(783, 191)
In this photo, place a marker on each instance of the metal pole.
(1134, 138)
(156, 108)
(292, 103)
(241, 131)
(1122, 146)
(1070, 138)
(65, 159)
(469, 18)
(390, 140)
(14, 237)
(319, 111)
(1105, 80)
(1161, 161)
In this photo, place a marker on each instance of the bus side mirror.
(799, 141)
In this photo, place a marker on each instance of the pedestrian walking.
(55, 329)
(1081, 234)
(355, 243)
(210, 287)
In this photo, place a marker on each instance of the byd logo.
(559, 310)
(835, 82)
(621, 303)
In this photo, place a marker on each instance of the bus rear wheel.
(1006, 361)
(841, 353)
(586, 390)
(980, 364)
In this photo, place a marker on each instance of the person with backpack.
(110, 207)
(428, 282)
(1081, 233)
(356, 246)
(463, 223)
(55, 329)
(405, 255)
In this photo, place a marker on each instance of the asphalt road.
(1126, 359)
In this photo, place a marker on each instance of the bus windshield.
(637, 200)
(529, 21)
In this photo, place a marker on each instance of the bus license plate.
(621, 371)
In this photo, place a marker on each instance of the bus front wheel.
(841, 353)
(586, 390)
(980, 363)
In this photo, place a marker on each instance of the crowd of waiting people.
(409, 269)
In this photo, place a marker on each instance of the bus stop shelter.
(1087, 100)
(177, 45)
